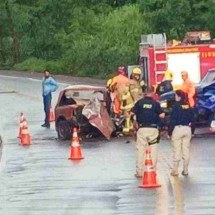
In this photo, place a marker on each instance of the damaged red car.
(85, 107)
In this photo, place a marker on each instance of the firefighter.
(137, 86)
(110, 96)
(188, 87)
(181, 117)
(126, 106)
(119, 82)
(148, 113)
(166, 85)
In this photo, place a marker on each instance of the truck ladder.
(160, 55)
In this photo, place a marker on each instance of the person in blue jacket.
(49, 85)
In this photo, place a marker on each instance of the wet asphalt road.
(40, 180)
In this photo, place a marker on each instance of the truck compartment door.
(189, 62)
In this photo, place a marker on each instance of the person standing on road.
(166, 84)
(49, 85)
(136, 85)
(118, 86)
(188, 87)
(148, 113)
(181, 118)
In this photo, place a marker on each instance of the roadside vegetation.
(91, 37)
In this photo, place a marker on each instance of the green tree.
(107, 41)
(176, 17)
(15, 22)
(120, 3)
(3, 52)
(92, 37)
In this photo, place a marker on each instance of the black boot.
(46, 125)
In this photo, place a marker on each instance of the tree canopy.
(91, 37)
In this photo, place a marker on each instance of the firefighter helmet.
(168, 75)
(136, 71)
(122, 70)
(109, 82)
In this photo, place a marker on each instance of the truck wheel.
(64, 130)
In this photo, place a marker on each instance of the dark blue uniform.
(164, 87)
(147, 111)
(181, 118)
(182, 115)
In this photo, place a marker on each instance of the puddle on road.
(204, 132)
(205, 135)
(179, 205)
(7, 91)
(44, 138)
(163, 197)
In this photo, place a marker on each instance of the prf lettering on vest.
(185, 106)
(147, 106)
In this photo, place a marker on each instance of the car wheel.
(64, 130)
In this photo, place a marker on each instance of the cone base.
(150, 186)
(76, 158)
(25, 143)
(22, 144)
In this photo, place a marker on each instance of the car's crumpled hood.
(98, 116)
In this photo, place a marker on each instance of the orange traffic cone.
(149, 176)
(20, 125)
(51, 115)
(75, 149)
(25, 137)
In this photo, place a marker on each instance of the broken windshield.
(84, 94)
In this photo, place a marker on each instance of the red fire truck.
(196, 55)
